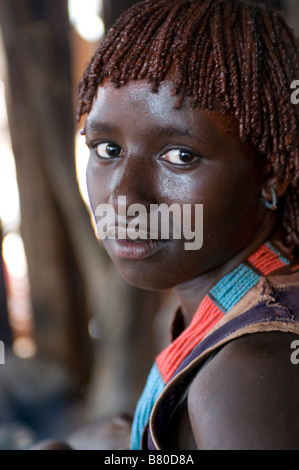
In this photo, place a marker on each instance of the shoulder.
(247, 396)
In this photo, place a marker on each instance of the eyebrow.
(172, 131)
(97, 127)
(161, 131)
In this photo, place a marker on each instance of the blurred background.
(79, 341)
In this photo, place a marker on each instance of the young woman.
(188, 102)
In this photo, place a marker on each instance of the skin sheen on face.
(143, 149)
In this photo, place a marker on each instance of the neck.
(192, 293)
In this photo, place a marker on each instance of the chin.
(143, 279)
(160, 268)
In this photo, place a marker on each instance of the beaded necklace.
(230, 290)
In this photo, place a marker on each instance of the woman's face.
(143, 149)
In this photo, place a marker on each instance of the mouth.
(135, 249)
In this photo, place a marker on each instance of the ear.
(274, 183)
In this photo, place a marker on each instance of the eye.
(108, 150)
(180, 157)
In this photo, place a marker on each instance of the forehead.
(135, 105)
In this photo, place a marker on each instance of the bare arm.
(247, 396)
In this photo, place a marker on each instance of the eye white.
(107, 150)
(179, 157)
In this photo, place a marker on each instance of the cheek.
(230, 208)
(96, 186)
(92, 187)
(232, 214)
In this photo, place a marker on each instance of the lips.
(128, 243)
(135, 249)
(123, 233)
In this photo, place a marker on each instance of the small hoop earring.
(272, 205)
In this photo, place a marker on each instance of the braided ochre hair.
(232, 56)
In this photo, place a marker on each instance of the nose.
(133, 183)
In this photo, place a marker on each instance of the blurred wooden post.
(39, 100)
(5, 330)
(114, 8)
(292, 13)
(279, 4)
